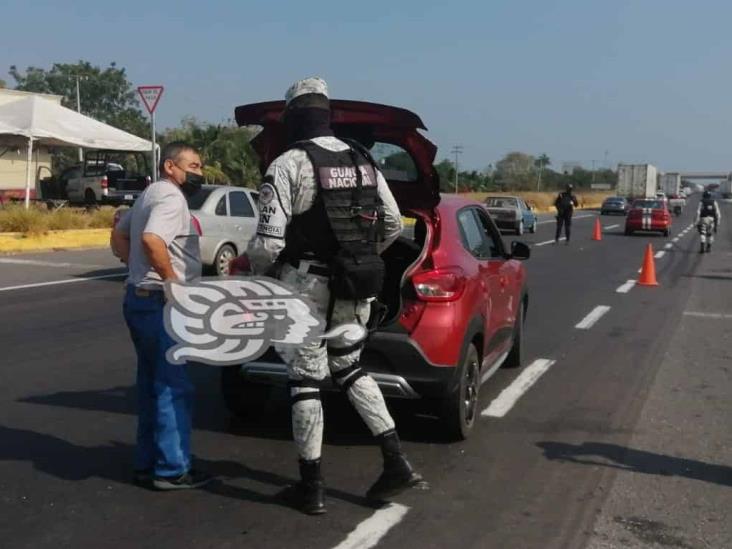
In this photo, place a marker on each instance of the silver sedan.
(228, 219)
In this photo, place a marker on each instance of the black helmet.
(569, 186)
(707, 194)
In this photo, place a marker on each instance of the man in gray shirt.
(158, 241)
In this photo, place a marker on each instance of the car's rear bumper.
(393, 360)
(118, 198)
(507, 224)
(652, 226)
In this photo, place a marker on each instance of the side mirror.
(519, 251)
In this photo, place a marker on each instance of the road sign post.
(150, 96)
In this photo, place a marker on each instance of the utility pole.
(79, 77)
(456, 150)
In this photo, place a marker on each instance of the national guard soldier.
(565, 204)
(708, 217)
(326, 213)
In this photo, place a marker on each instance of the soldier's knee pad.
(348, 376)
(313, 392)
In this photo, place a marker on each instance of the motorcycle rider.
(708, 216)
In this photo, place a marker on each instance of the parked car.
(614, 205)
(511, 213)
(455, 296)
(648, 214)
(228, 219)
(225, 219)
(105, 177)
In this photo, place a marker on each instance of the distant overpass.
(703, 175)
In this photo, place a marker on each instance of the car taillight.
(439, 284)
(105, 182)
(197, 225)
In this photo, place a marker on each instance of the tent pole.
(28, 172)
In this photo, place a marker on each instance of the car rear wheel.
(460, 410)
(666, 233)
(90, 199)
(532, 230)
(515, 355)
(628, 232)
(242, 398)
(520, 228)
(223, 259)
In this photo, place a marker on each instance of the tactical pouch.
(354, 277)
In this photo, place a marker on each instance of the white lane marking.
(38, 263)
(717, 316)
(669, 246)
(608, 227)
(676, 239)
(573, 219)
(660, 254)
(369, 532)
(548, 242)
(625, 288)
(596, 314)
(55, 282)
(510, 395)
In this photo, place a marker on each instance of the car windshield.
(613, 199)
(501, 202)
(653, 204)
(195, 202)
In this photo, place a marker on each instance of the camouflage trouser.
(309, 364)
(706, 230)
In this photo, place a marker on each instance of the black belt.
(144, 292)
(312, 269)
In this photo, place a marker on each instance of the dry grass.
(544, 202)
(37, 220)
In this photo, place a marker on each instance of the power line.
(457, 150)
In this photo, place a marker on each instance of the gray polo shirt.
(162, 210)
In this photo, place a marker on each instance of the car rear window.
(501, 202)
(196, 201)
(653, 204)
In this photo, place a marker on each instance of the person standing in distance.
(159, 243)
(708, 217)
(326, 213)
(565, 204)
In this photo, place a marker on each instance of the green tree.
(225, 150)
(516, 170)
(106, 93)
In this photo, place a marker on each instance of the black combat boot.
(397, 475)
(311, 490)
(701, 248)
(709, 247)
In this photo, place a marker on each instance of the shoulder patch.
(267, 193)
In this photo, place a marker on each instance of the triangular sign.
(150, 96)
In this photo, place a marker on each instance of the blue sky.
(645, 80)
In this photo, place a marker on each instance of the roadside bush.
(14, 218)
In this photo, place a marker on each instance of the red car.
(648, 214)
(455, 297)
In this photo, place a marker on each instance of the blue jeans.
(164, 392)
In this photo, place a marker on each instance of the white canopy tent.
(44, 122)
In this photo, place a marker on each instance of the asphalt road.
(623, 439)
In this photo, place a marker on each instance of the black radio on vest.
(345, 224)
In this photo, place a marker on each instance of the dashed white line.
(55, 282)
(596, 314)
(669, 246)
(510, 395)
(676, 239)
(716, 316)
(625, 288)
(660, 254)
(548, 242)
(369, 532)
(612, 227)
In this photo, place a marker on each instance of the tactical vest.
(347, 212)
(708, 209)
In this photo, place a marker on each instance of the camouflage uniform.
(707, 224)
(289, 189)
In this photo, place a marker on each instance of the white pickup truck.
(106, 177)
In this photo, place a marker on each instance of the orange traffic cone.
(597, 235)
(648, 271)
